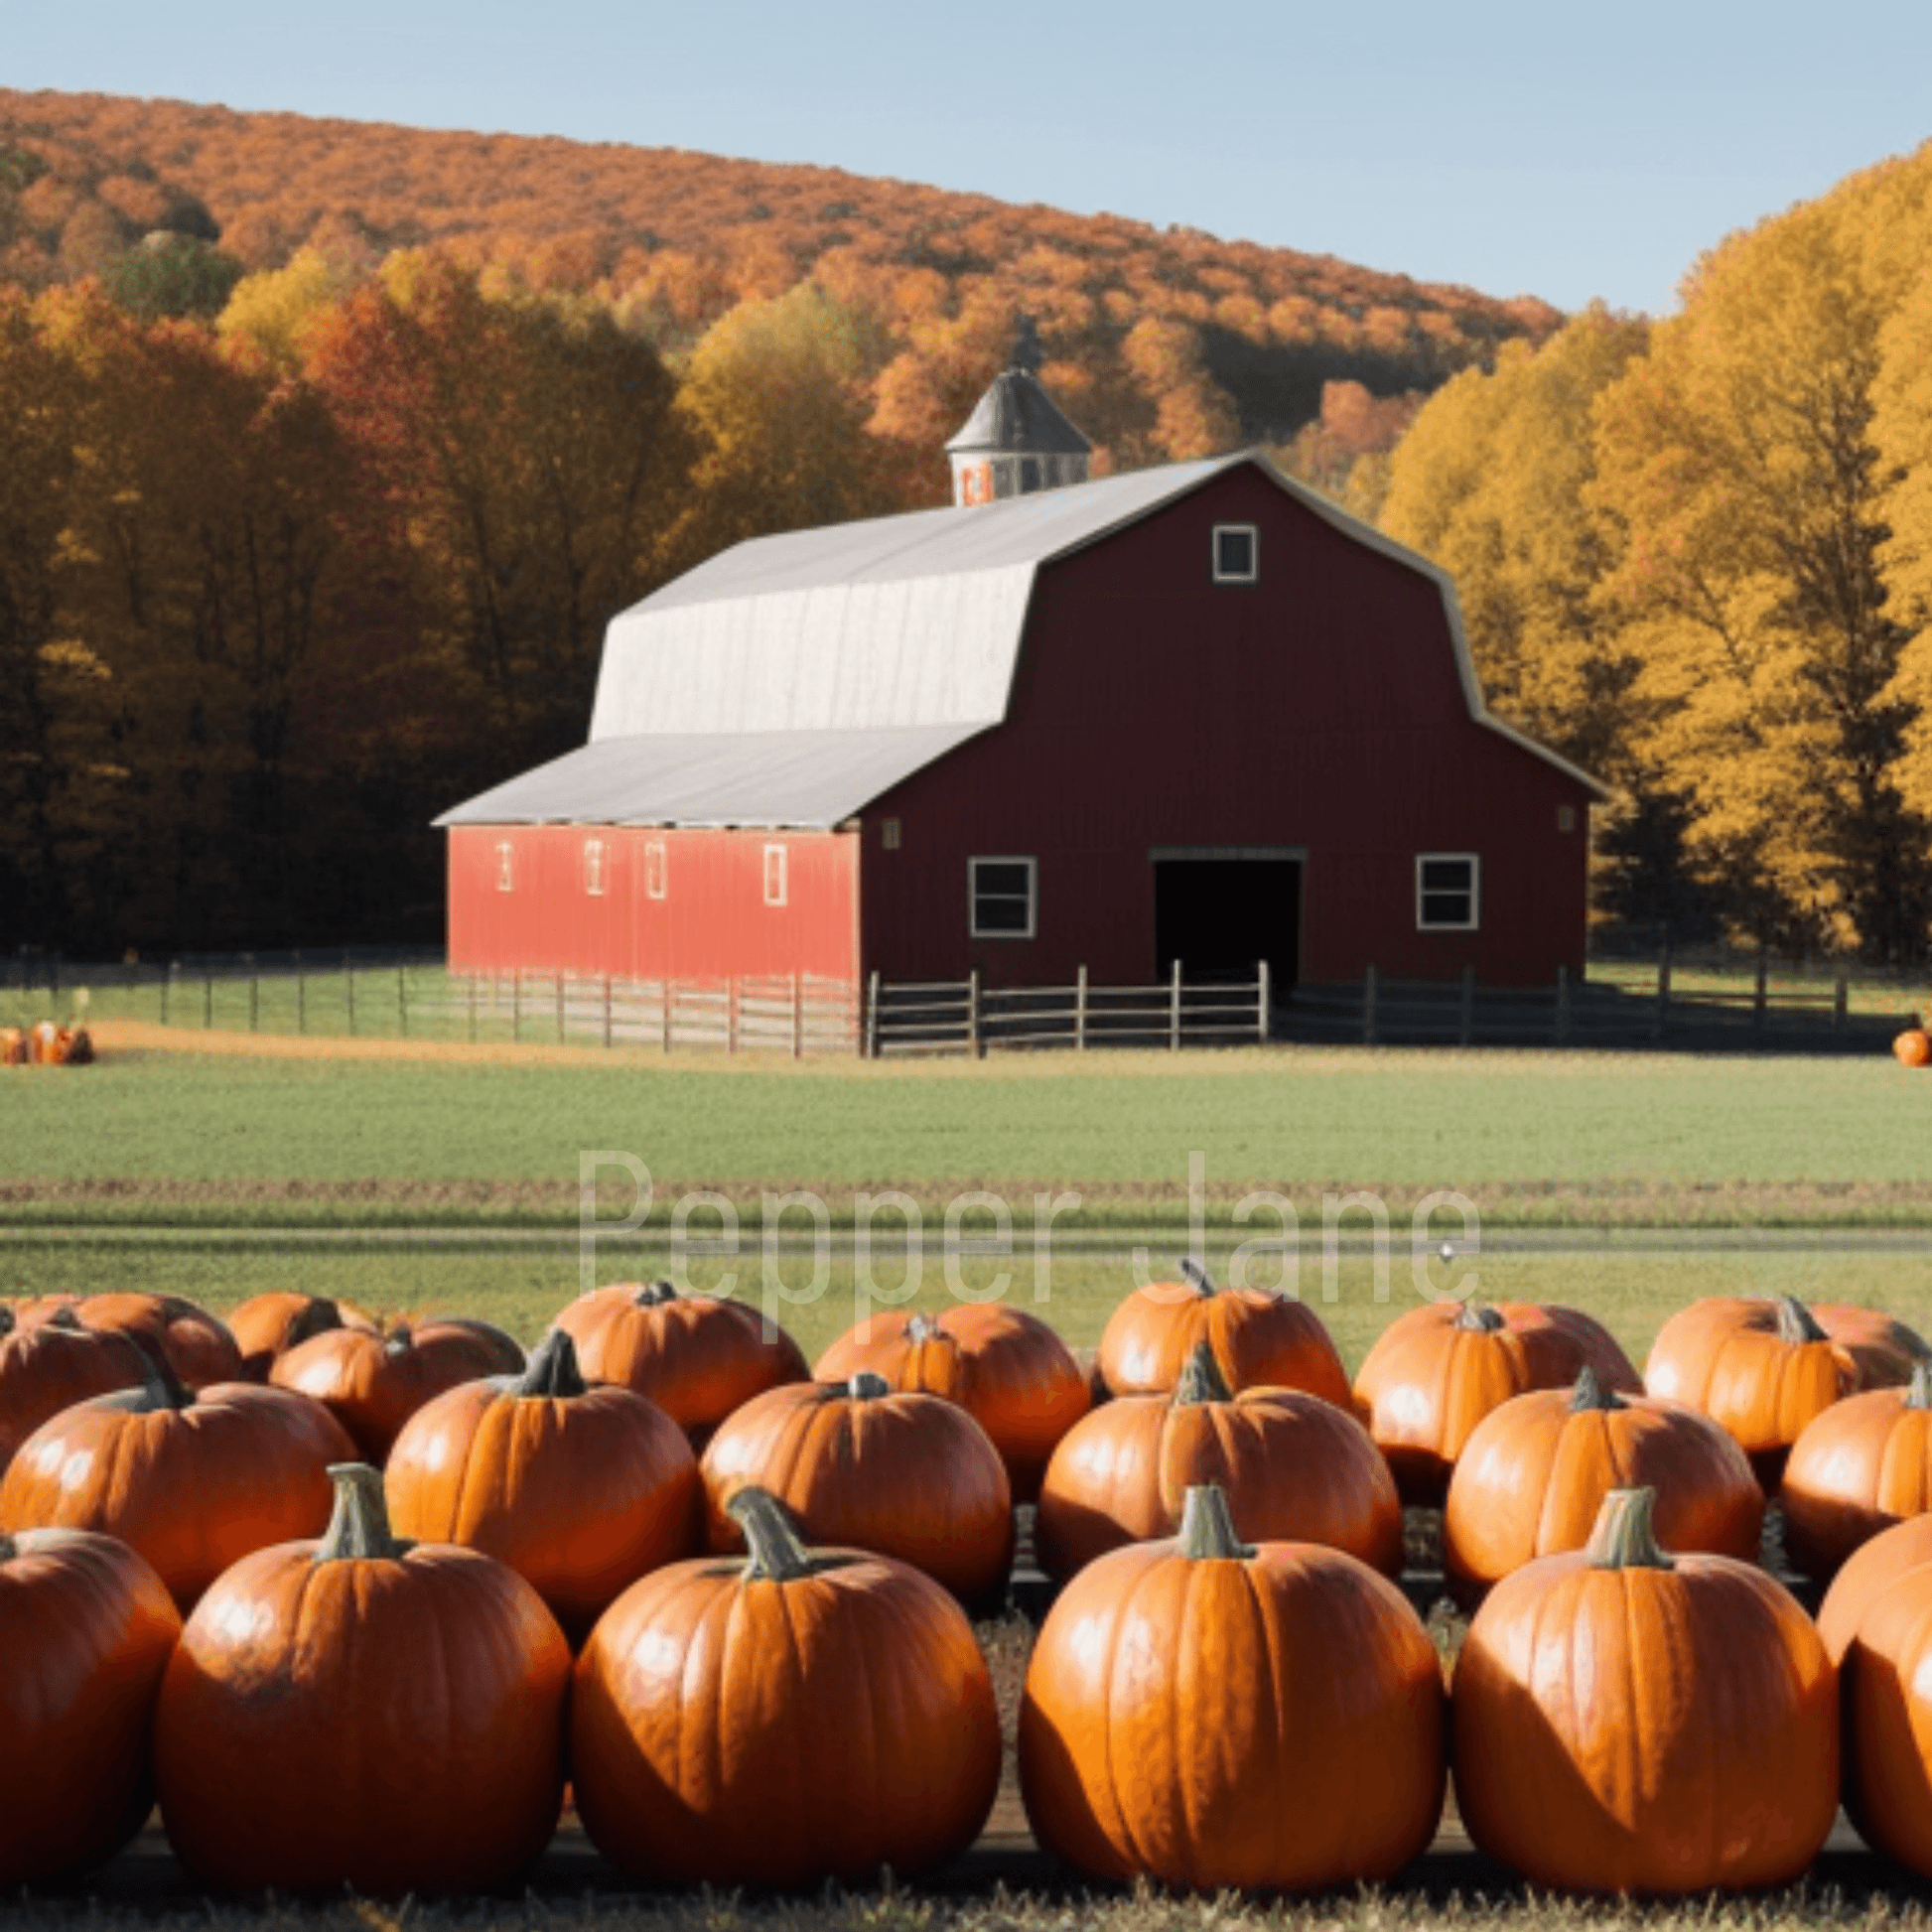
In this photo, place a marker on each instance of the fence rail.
(411, 995)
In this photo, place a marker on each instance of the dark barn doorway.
(1219, 913)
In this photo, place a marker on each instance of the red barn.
(1195, 712)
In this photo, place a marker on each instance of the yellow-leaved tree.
(1737, 455)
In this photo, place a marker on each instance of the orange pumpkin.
(87, 1629)
(1883, 1349)
(1888, 1721)
(1259, 1339)
(1913, 1047)
(374, 1383)
(197, 1346)
(1631, 1722)
(1532, 1478)
(1861, 1467)
(1867, 1573)
(497, 1346)
(14, 1048)
(846, 1718)
(192, 1479)
(696, 1356)
(581, 1490)
(909, 1475)
(1761, 1368)
(1210, 1714)
(1437, 1371)
(1006, 1368)
(266, 1327)
(1294, 1468)
(53, 1365)
(360, 1711)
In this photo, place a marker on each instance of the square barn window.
(655, 869)
(506, 866)
(1447, 885)
(593, 868)
(774, 874)
(1003, 898)
(1237, 556)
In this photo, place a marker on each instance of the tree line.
(1696, 556)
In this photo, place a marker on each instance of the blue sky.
(1520, 148)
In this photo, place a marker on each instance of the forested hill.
(1165, 340)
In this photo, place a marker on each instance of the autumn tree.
(1738, 458)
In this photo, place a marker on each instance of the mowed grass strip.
(1417, 1120)
(1631, 1293)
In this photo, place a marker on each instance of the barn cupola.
(1016, 442)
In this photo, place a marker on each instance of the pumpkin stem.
(6, 1321)
(867, 1385)
(1195, 1275)
(1481, 1320)
(924, 1327)
(778, 1553)
(1201, 1379)
(1590, 1394)
(1796, 1322)
(400, 1337)
(653, 1294)
(359, 1524)
(9, 1548)
(317, 1316)
(161, 1387)
(1625, 1536)
(1919, 1394)
(553, 1370)
(1206, 1528)
(63, 1317)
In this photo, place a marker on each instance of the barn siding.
(1320, 708)
(711, 923)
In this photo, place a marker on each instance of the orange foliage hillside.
(1213, 338)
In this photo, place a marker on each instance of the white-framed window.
(593, 868)
(656, 868)
(774, 874)
(1449, 892)
(1237, 553)
(889, 834)
(1003, 898)
(506, 866)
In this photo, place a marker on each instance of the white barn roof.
(795, 678)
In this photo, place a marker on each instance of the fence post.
(167, 980)
(1468, 1014)
(1368, 1005)
(1563, 1004)
(559, 1007)
(606, 1009)
(797, 1018)
(1663, 992)
(1760, 1001)
(1841, 1004)
(254, 996)
(349, 968)
(300, 995)
(208, 998)
(973, 1011)
(1173, 1009)
(54, 978)
(871, 1015)
(1080, 1010)
(1261, 1001)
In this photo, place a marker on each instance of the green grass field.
(1530, 1137)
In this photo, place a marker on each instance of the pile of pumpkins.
(46, 1043)
(353, 1596)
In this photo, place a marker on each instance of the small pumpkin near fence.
(1190, 1701)
(87, 1629)
(1576, 1767)
(1293, 1467)
(1259, 1339)
(849, 1666)
(1913, 1047)
(364, 1711)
